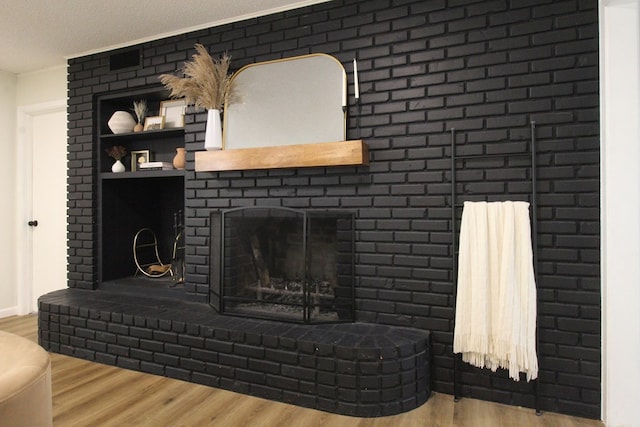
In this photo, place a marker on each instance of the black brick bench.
(356, 369)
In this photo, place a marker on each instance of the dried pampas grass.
(207, 82)
(140, 109)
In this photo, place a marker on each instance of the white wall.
(8, 290)
(42, 86)
(18, 91)
(620, 185)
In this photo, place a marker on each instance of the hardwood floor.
(90, 394)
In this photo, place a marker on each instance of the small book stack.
(155, 166)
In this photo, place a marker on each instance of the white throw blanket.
(495, 325)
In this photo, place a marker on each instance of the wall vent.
(126, 59)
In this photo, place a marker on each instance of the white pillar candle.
(344, 91)
(356, 85)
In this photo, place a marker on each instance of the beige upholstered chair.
(25, 383)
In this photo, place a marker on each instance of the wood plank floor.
(91, 394)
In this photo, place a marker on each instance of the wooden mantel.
(342, 153)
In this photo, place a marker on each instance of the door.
(42, 194)
(49, 199)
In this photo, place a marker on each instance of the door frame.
(24, 197)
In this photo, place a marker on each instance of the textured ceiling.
(38, 34)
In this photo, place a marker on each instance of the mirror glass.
(290, 101)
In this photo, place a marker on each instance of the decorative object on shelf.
(138, 158)
(154, 123)
(356, 82)
(117, 167)
(173, 112)
(140, 108)
(356, 91)
(121, 122)
(207, 84)
(156, 166)
(117, 152)
(213, 132)
(180, 158)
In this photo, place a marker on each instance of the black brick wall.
(486, 68)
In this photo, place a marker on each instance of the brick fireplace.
(485, 68)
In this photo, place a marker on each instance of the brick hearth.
(353, 369)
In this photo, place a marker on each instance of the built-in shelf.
(144, 135)
(342, 153)
(142, 174)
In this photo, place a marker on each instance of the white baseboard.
(6, 312)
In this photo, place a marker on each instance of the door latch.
(33, 223)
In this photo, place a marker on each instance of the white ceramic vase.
(121, 122)
(213, 133)
(117, 167)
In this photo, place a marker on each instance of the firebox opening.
(285, 264)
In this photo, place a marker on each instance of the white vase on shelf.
(121, 122)
(117, 167)
(213, 133)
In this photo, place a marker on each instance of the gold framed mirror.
(298, 100)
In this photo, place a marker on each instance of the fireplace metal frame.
(345, 287)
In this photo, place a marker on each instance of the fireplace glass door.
(285, 264)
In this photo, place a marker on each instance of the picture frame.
(139, 156)
(173, 111)
(154, 123)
